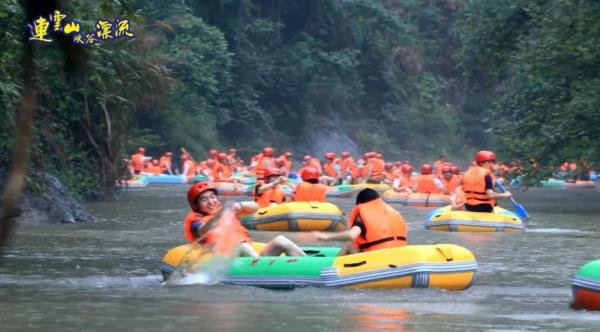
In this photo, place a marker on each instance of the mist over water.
(102, 276)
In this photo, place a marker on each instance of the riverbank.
(48, 200)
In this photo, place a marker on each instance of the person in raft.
(204, 201)
(310, 190)
(373, 225)
(269, 192)
(478, 184)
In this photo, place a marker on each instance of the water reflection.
(371, 317)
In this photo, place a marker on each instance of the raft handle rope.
(355, 264)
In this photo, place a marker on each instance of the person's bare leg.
(282, 244)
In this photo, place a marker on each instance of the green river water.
(104, 276)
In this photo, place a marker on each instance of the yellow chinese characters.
(39, 31)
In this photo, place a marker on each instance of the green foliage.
(541, 61)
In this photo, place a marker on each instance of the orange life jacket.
(329, 168)
(385, 227)
(426, 184)
(349, 164)
(191, 169)
(194, 216)
(473, 184)
(165, 163)
(451, 184)
(309, 192)
(154, 169)
(287, 165)
(273, 195)
(316, 163)
(221, 171)
(261, 165)
(564, 166)
(137, 161)
(377, 168)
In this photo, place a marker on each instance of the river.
(104, 276)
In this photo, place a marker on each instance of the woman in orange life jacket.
(478, 184)
(269, 192)
(427, 182)
(310, 190)
(204, 202)
(166, 162)
(220, 169)
(406, 182)
(265, 161)
(138, 161)
(449, 181)
(373, 225)
(331, 169)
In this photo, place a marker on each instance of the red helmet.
(272, 171)
(406, 168)
(184, 157)
(310, 173)
(221, 156)
(455, 170)
(213, 152)
(280, 161)
(389, 166)
(345, 154)
(141, 150)
(155, 162)
(267, 152)
(210, 162)
(168, 154)
(197, 190)
(484, 155)
(287, 154)
(426, 169)
(329, 155)
(306, 158)
(446, 168)
(371, 154)
(232, 150)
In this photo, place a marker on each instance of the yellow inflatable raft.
(446, 266)
(379, 187)
(297, 217)
(446, 219)
(416, 199)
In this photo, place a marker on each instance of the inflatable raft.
(416, 199)
(379, 187)
(135, 183)
(296, 217)
(166, 179)
(580, 184)
(445, 266)
(341, 191)
(586, 287)
(446, 219)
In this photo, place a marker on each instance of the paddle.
(184, 151)
(518, 207)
